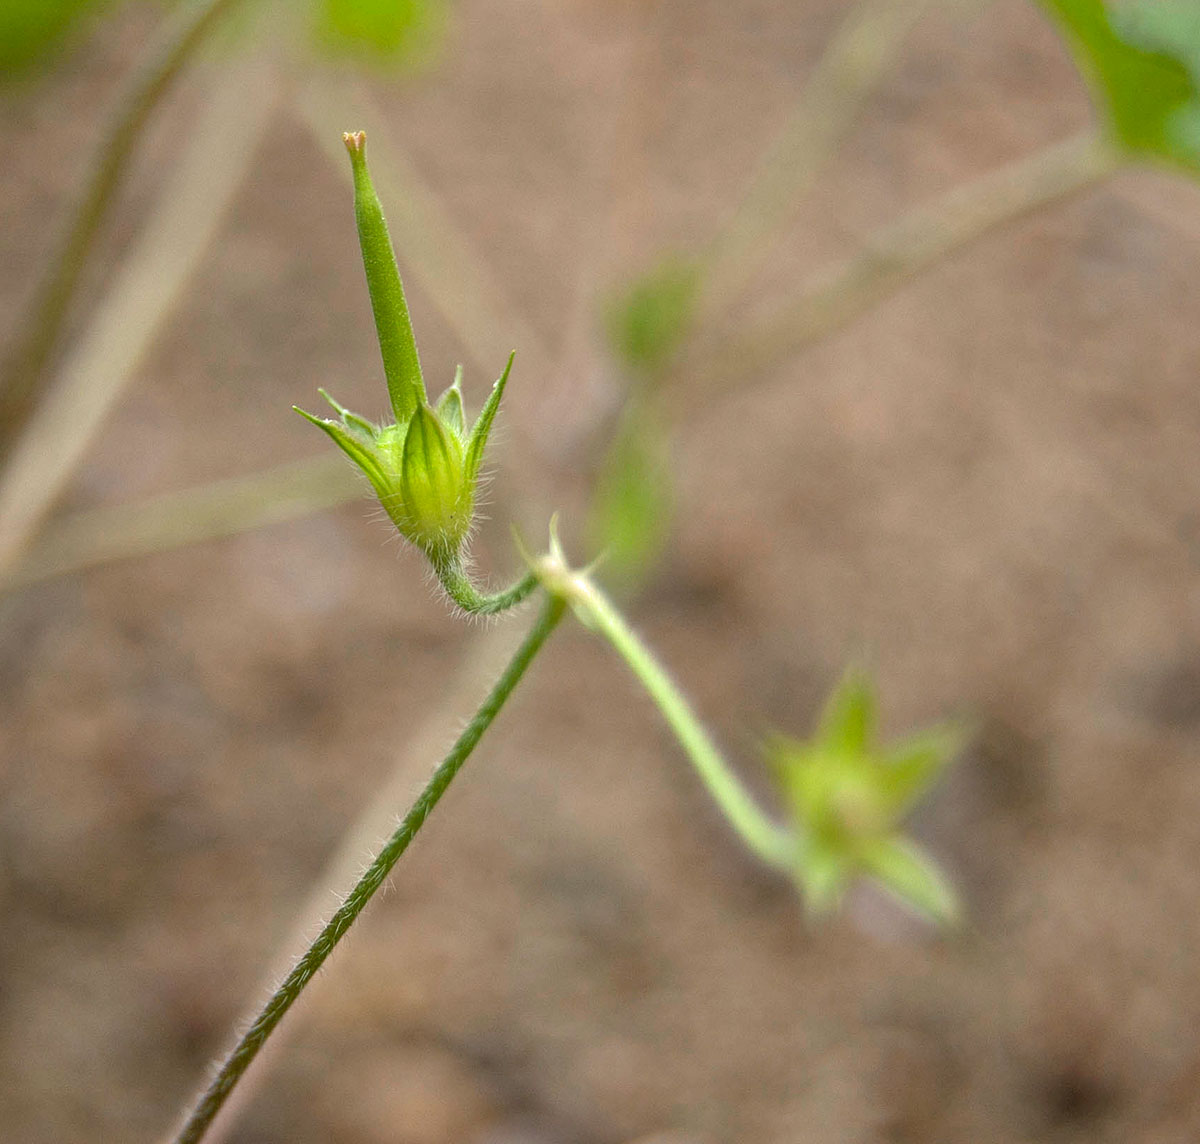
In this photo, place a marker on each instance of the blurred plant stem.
(221, 144)
(248, 1046)
(25, 370)
(223, 508)
(766, 839)
(849, 70)
(437, 256)
(893, 256)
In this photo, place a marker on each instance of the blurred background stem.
(893, 256)
(221, 508)
(25, 372)
(849, 70)
(221, 145)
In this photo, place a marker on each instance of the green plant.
(842, 795)
(424, 468)
(425, 464)
(1142, 61)
(31, 31)
(850, 794)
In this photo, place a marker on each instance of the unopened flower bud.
(424, 465)
(425, 470)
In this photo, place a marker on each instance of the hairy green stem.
(239, 1059)
(459, 586)
(769, 841)
(25, 369)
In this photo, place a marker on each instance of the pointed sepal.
(483, 426)
(909, 768)
(848, 721)
(823, 875)
(352, 421)
(912, 877)
(450, 408)
(358, 451)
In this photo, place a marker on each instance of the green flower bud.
(437, 501)
(424, 465)
(425, 470)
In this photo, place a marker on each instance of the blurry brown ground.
(991, 482)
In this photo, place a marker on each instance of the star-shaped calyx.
(847, 795)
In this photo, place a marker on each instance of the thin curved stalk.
(459, 586)
(25, 371)
(244, 1052)
(765, 838)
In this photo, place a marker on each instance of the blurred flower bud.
(848, 796)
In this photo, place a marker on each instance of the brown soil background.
(991, 481)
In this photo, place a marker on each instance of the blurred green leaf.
(1142, 60)
(32, 30)
(1172, 28)
(633, 501)
(650, 321)
(381, 32)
